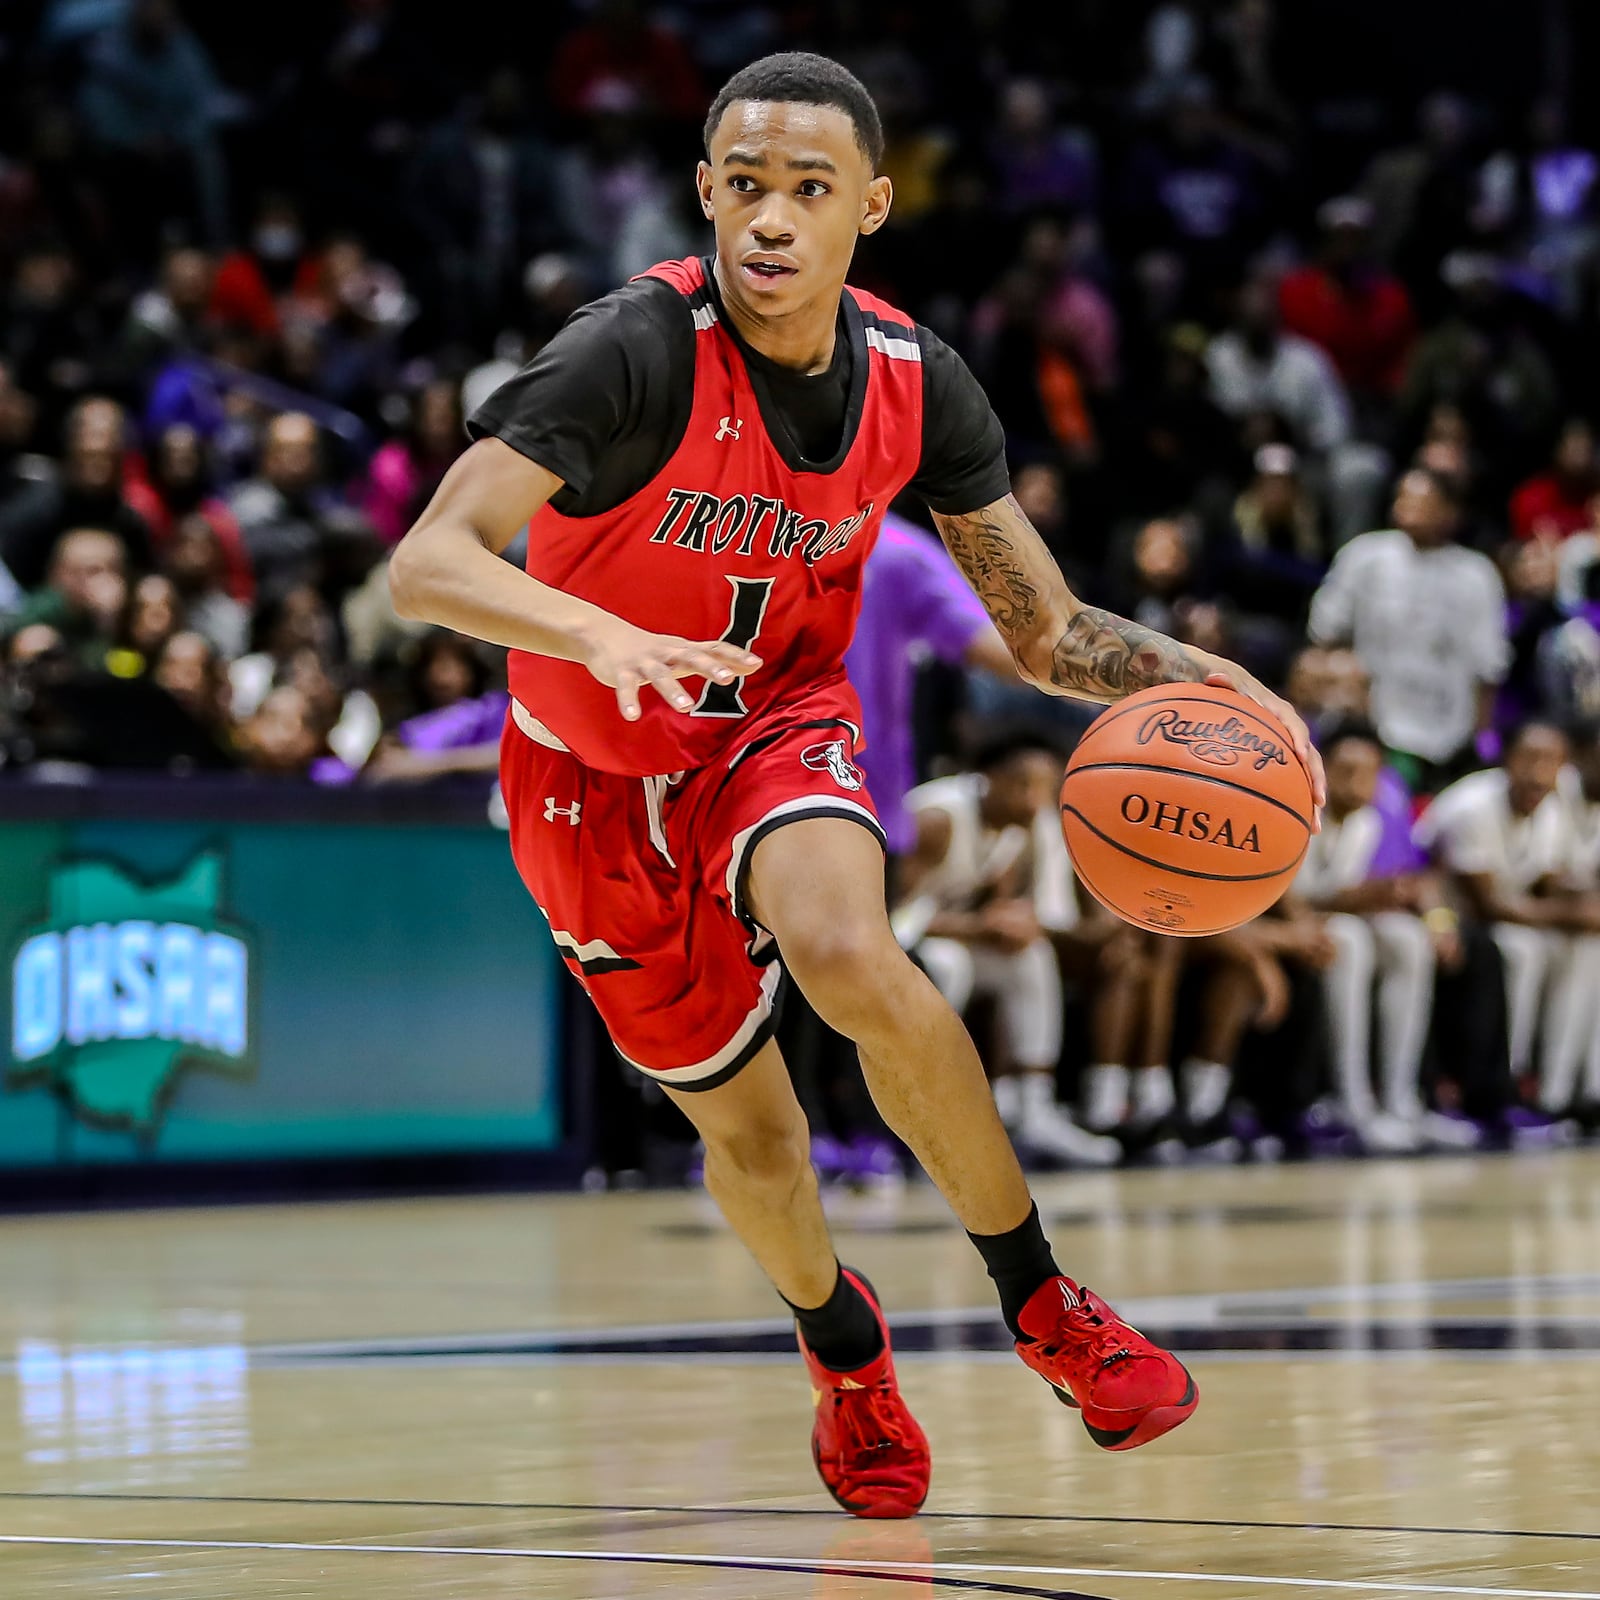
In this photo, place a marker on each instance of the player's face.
(789, 191)
(1019, 789)
(1534, 765)
(1353, 766)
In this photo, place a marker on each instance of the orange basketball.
(1186, 809)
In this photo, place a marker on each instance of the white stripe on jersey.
(895, 349)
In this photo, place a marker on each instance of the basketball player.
(705, 456)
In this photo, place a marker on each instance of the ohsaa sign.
(126, 985)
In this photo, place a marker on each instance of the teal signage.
(213, 990)
(126, 985)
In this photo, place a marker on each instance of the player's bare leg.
(758, 1170)
(817, 884)
(870, 1452)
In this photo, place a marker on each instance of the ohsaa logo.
(833, 758)
(126, 985)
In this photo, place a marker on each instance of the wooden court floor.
(591, 1397)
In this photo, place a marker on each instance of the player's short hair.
(1349, 728)
(800, 78)
(1537, 724)
(1446, 485)
(1009, 743)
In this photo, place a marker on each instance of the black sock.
(842, 1332)
(1018, 1262)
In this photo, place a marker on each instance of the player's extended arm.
(448, 570)
(1066, 647)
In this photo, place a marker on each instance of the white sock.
(1153, 1095)
(1038, 1093)
(1105, 1096)
(1205, 1089)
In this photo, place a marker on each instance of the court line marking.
(757, 1563)
(102, 1496)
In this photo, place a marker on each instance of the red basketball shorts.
(642, 879)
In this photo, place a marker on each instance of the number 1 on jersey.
(750, 597)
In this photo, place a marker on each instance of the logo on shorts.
(572, 813)
(831, 756)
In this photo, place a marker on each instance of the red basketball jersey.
(728, 541)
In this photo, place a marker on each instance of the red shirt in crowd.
(1365, 323)
(1546, 508)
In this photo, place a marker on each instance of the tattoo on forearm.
(1099, 656)
(986, 551)
(1104, 656)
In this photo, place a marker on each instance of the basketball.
(1186, 809)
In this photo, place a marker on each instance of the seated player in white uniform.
(1507, 838)
(966, 909)
(1393, 928)
(1579, 788)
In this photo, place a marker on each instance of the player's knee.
(841, 966)
(1353, 940)
(765, 1154)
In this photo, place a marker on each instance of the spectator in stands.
(280, 511)
(1482, 359)
(1555, 649)
(1181, 442)
(965, 907)
(1428, 620)
(193, 560)
(914, 605)
(455, 733)
(84, 595)
(1041, 164)
(1388, 928)
(192, 671)
(89, 493)
(46, 329)
(405, 471)
(284, 735)
(1560, 501)
(296, 620)
(481, 196)
(180, 483)
(1194, 191)
(622, 46)
(1270, 550)
(149, 101)
(1351, 306)
(1127, 981)
(1505, 837)
(1421, 193)
(153, 616)
(1580, 792)
(173, 315)
(1256, 367)
(254, 278)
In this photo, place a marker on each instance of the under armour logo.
(832, 757)
(552, 810)
(1069, 1298)
(730, 428)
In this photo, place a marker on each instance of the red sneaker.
(1129, 1390)
(871, 1455)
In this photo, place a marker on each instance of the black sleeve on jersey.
(605, 403)
(963, 465)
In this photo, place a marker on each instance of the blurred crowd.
(1301, 372)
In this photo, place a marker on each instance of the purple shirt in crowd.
(912, 599)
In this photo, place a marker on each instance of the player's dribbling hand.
(627, 658)
(1225, 675)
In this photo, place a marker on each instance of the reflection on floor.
(592, 1397)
